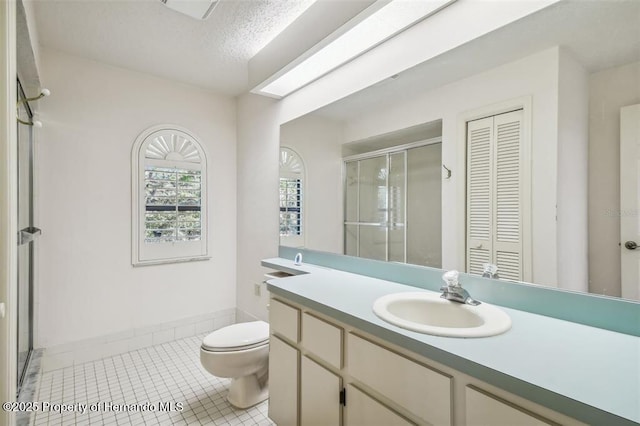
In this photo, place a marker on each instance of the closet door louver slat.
(479, 194)
(508, 181)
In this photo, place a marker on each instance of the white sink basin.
(429, 313)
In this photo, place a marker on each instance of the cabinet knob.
(631, 245)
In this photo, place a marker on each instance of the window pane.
(160, 236)
(182, 193)
(189, 176)
(154, 173)
(189, 201)
(157, 184)
(159, 201)
(189, 185)
(190, 216)
(161, 192)
(173, 199)
(160, 217)
(188, 235)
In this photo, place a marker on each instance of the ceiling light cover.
(389, 20)
(198, 9)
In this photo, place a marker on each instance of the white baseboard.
(82, 351)
(243, 316)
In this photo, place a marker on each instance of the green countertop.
(587, 373)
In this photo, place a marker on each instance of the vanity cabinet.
(284, 363)
(323, 372)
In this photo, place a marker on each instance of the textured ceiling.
(146, 36)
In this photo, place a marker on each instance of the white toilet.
(241, 352)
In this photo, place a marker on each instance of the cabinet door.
(362, 410)
(483, 409)
(283, 382)
(319, 395)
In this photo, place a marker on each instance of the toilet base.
(246, 392)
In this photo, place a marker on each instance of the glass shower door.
(25, 239)
(372, 208)
(375, 207)
(393, 204)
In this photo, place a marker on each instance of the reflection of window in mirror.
(291, 198)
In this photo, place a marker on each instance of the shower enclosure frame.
(373, 154)
(22, 368)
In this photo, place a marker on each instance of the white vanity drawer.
(284, 320)
(422, 391)
(322, 339)
(484, 409)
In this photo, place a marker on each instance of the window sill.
(166, 261)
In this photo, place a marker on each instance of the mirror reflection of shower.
(393, 204)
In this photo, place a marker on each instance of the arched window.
(291, 198)
(169, 176)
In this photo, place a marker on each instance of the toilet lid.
(238, 336)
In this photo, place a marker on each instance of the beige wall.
(88, 287)
(573, 116)
(609, 90)
(257, 187)
(318, 142)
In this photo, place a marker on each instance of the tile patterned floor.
(167, 373)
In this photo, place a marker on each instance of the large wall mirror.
(518, 149)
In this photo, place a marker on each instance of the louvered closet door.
(508, 183)
(479, 194)
(494, 191)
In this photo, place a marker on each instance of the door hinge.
(343, 397)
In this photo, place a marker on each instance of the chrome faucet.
(490, 271)
(453, 290)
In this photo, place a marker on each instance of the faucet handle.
(490, 268)
(451, 278)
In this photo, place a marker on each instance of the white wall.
(318, 142)
(609, 90)
(536, 76)
(258, 230)
(573, 137)
(88, 287)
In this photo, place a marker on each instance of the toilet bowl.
(240, 352)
